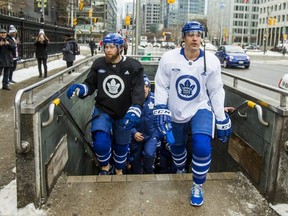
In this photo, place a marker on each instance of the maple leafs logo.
(113, 87)
(187, 88)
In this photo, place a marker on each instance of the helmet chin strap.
(203, 43)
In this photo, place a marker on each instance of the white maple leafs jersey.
(185, 87)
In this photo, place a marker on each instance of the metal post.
(133, 32)
(266, 31)
(137, 25)
(42, 12)
(71, 12)
(222, 6)
(242, 35)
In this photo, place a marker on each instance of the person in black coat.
(41, 44)
(6, 57)
(68, 50)
(92, 46)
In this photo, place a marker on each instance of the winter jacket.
(68, 54)
(6, 56)
(41, 49)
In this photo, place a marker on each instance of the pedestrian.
(41, 43)
(69, 49)
(189, 94)
(125, 46)
(12, 36)
(6, 57)
(284, 50)
(92, 46)
(118, 104)
(144, 136)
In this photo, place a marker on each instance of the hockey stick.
(82, 134)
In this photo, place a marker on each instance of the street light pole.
(266, 31)
(222, 5)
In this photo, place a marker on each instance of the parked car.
(171, 45)
(156, 44)
(210, 47)
(232, 56)
(143, 44)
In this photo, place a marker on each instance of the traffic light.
(74, 21)
(90, 13)
(270, 21)
(81, 5)
(95, 19)
(39, 3)
(170, 1)
(127, 20)
(274, 21)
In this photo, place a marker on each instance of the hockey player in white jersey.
(189, 94)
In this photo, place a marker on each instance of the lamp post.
(266, 31)
(222, 6)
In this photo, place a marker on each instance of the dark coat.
(68, 49)
(41, 49)
(92, 45)
(6, 57)
(15, 50)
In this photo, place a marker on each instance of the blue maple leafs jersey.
(185, 87)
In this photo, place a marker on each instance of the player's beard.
(111, 58)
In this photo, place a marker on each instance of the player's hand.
(162, 121)
(224, 129)
(80, 90)
(132, 117)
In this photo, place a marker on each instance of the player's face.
(192, 40)
(146, 90)
(111, 53)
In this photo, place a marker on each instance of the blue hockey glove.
(224, 129)
(80, 90)
(162, 121)
(132, 117)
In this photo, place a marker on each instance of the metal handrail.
(283, 93)
(23, 147)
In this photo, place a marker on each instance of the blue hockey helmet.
(114, 38)
(192, 26)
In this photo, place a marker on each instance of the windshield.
(234, 49)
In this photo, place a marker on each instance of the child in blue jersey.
(144, 136)
(189, 94)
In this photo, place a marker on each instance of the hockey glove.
(80, 90)
(132, 117)
(224, 129)
(162, 121)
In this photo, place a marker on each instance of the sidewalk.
(27, 73)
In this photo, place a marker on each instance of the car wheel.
(225, 65)
(246, 67)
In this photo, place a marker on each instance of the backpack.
(76, 50)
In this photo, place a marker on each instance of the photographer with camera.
(6, 57)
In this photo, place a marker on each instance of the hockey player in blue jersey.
(118, 103)
(189, 92)
(144, 136)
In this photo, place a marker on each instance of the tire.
(225, 65)
(247, 67)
